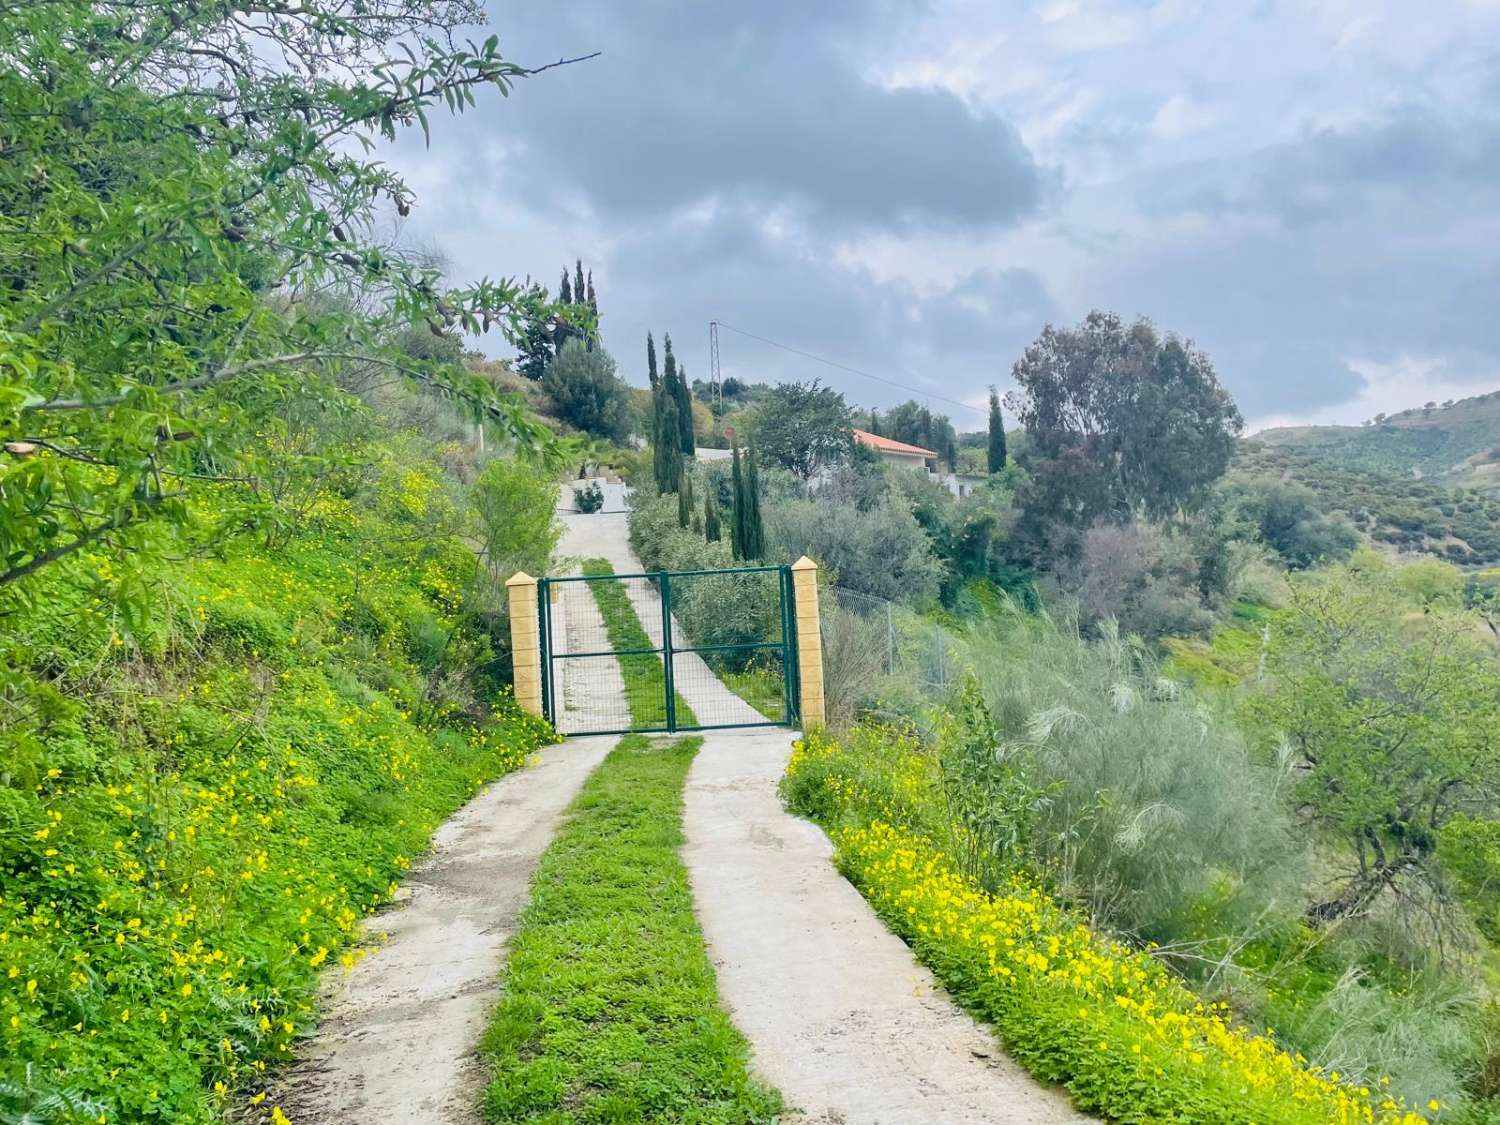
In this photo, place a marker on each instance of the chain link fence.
(883, 658)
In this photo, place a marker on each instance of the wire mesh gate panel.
(668, 651)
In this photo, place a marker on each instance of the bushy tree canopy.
(803, 427)
(1120, 418)
(587, 393)
(189, 240)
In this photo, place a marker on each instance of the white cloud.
(1389, 387)
(1181, 116)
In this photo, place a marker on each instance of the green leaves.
(187, 245)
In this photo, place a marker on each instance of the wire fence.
(881, 657)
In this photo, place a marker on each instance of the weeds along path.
(840, 1016)
(400, 1032)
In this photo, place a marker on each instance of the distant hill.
(1457, 443)
(1431, 515)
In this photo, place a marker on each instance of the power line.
(852, 370)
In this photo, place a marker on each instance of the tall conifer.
(711, 529)
(685, 411)
(995, 457)
(736, 506)
(651, 365)
(754, 534)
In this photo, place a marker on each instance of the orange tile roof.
(890, 445)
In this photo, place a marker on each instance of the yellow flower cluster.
(1114, 1017)
(1029, 943)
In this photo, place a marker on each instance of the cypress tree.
(754, 534)
(996, 453)
(565, 290)
(668, 365)
(685, 411)
(651, 364)
(666, 460)
(711, 530)
(736, 506)
(685, 502)
(593, 301)
(874, 421)
(579, 292)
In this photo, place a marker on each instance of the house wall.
(905, 460)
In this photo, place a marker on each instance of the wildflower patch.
(1109, 1023)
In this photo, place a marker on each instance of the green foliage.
(685, 510)
(1156, 805)
(711, 529)
(666, 444)
(803, 427)
(515, 504)
(747, 533)
(1288, 519)
(995, 446)
(196, 814)
(1146, 578)
(586, 392)
(1388, 715)
(1407, 513)
(882, 551)
(610, 1010)
(176, 181)
(589, 498)
(710, 609)
(913, 423)
(1119, 418)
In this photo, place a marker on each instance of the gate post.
(525, 641)
(809, 642)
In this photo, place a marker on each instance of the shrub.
(882, 552)
(586, 392)
(1141, 576)
(1159, 813)
(589, 498)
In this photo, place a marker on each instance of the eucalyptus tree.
(190, 208)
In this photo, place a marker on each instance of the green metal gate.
(668, 651)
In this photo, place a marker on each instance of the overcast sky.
(1308, 189)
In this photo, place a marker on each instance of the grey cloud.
(762, 104)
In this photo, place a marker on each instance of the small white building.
(894, 452)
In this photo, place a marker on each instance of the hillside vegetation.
(1400, 511)
(1456, 441)
(198, 809)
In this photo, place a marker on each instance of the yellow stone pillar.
(809, 641)
(525, 641)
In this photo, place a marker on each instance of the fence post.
(525, 641)
(809, 642)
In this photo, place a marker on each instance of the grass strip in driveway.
(610, 1011)
(645, 682)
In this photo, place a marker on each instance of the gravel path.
(397, 1040)
(840, 1016)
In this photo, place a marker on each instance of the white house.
(895, 452)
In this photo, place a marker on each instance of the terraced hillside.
(1457, 442)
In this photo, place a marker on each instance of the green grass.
(760, 686)
(610, 1011)
(645, 684)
